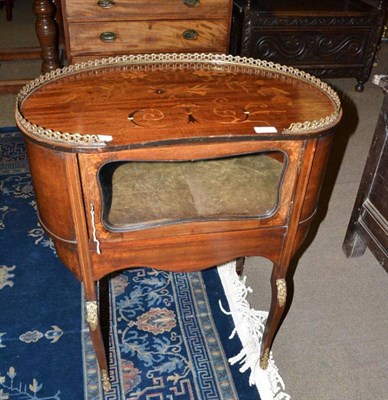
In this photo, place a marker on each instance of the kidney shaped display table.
(178, 162)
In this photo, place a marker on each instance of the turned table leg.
(47, 33)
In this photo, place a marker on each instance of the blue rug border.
(9, 129)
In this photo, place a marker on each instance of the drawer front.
(82, 10)
(109, 38)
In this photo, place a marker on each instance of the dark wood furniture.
(8, 9)
(11, 86)
(368, 226)
(178, 162)
(49, 30)
(330, 39)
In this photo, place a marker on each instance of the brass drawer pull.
(191, 3)
(108, 37)
(105, 3)
(190, 34)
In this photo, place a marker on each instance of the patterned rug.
(172, 336)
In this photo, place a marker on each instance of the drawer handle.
(105, 3)
(108, 37)
(190, 34)
(191, 3)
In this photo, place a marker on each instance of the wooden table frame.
(65, 167)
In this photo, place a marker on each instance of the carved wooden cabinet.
(368, 226)
(331, 38)
(108, 27)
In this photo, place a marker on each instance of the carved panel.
(316, 21)
(333, 44)
(314, 47)
(334, 72)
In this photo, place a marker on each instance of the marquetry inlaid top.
(127, 101)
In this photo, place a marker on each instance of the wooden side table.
(178, 162)
(368, 225)
(329, 39)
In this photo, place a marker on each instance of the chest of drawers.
(368, 225)
(108, 27)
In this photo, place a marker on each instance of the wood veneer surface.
(140, 10)
(141, 103)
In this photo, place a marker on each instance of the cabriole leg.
(240, 265)
(93, 319)
(86, 266)
(276, 313)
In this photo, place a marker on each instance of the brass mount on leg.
(92, 314)
(264, 359)
(281, 291)
(105, 380)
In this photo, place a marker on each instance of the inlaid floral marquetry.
(230, 95)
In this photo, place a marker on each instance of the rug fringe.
(249, 326)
